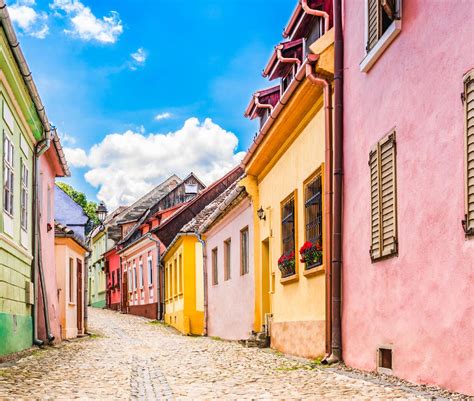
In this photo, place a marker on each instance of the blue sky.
(115, 67)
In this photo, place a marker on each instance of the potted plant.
(311, 254)
(286, 264)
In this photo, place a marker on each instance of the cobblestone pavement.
(130, 358)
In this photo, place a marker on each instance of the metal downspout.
(204, 275)
(159, 312)
(323, 14)
(40, 148)
(318, 79)
(336, 267)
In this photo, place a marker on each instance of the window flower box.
(287, 264)
(311, 254)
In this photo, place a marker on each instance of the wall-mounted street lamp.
(261, 213)
(101, 213)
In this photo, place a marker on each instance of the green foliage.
(80, 198)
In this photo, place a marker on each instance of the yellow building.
(184, 284)
(287, 169)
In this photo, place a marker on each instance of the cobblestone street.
(131, 358)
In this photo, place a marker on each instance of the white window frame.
(382, 44)
(150, 271)
(8, 169)
(135, 282)
(24, 195)
(141, 277)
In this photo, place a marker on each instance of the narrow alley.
(130, 357)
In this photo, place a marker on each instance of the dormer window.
(262, 104)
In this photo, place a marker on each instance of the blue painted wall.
(69, 213)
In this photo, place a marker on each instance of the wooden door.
(124, 292)
(79, 298)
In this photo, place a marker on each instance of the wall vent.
(384, 359)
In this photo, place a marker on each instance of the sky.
(142, 89)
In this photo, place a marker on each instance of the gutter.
(23, 66)
(323, 14)
(336, 266)
(300, 75)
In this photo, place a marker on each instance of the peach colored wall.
(66, 249)
(421, 302)
(231, 302)
(47, 176)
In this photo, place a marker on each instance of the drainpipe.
(336, 340)
(286, 59)
(320, 80)
(308, 10)
(40, 148)
(159, 314)
(204, 265)
(261, 105)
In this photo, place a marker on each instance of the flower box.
(286, 264)
(311, 254)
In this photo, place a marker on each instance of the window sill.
(289, 279)
(71, 303)
(388, 37)
(313, 271)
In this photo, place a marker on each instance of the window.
(314, 212)
(288, 225)
(383, 24)
(135, 281)
(130, 283)
(181, 278)
(244, 251)
(215, 279)
(113, 279)
(8, 175)
(384, 241)
(71, 280)
(175, 277)
(150, 271)
(24, 196)
(227, 259)
(468, 98)
(140, 266)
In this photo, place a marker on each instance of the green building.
(21, 127)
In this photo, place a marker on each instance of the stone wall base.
(148, 310)
(300, 338)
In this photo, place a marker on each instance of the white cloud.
(67, 139)
(28, 20)
(76, 157)
(163, 116)
(138, 58)
(125, 166)
(85, 25)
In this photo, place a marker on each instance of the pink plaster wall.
(47, 176)
(114, 267)
(231, 302)
(421, 302)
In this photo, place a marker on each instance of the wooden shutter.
(374, 202)
(383, 198)
(469, 123)
(374, 21)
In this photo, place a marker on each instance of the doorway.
(79, 298)
(266, 309)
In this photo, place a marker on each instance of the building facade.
(70, 252)
(228, 233)
(408, 190)
(96, 263)
(287, 171)
(26, 134)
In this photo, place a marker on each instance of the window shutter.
(374, 202)
(383, 197)
(387, 184)
(469, 113)
(373, 23)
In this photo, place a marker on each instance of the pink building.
(52, 164)
(408, 302)
(229, 263)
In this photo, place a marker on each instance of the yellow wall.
(184, 287)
